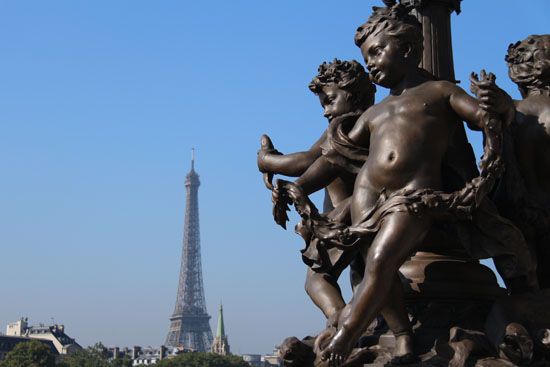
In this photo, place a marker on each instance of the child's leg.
(394, 312)
(324, 291)
(398, 237)
(323, 288)
(397, 318)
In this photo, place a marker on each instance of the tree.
(29, 354)
(122, 362)
(96, 356)
(203, 360)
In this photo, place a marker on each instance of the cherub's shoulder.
(364, 117)
(534, 105)
(534, 112)
(441, 88)
(544, 116)
(445, 86)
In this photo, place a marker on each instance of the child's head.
(343, 87)
(391, 42)
(529, 64)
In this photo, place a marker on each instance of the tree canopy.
(37, 354)
(203, 360)
(29, 354)
(96, 356)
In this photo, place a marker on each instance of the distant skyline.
(100, 105)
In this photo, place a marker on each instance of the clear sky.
(100, 104)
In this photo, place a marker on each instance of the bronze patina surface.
(411, 214)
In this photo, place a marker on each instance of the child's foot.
(338, 349)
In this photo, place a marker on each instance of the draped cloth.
(485, 234)
(338, 148)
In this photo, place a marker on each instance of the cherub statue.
(345, 92)
(524, 191)
(399, 191)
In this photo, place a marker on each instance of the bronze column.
(435, 17)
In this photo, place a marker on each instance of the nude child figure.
(408, 134)
(345, 92)
(523, 195)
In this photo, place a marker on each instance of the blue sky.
(100, 104)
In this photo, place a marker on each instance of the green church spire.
(220, 333)
(220, 344)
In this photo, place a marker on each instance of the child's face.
(385, 59)
(335, 101)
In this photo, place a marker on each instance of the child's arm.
(321, 173)
(492, 99)
(318, 176)
(293, 164)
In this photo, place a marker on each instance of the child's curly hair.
(394, 21)
(349, 76)
(529, 64)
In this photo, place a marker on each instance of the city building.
(62, 343)
(148, 356)
(255, 360)
(144, 356)
(220, 344)
(273, 359)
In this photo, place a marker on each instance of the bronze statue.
(408, 134)
(336, 168)
(402, 170)
(524, 192)
(345, 92)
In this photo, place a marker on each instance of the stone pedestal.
(431, 276)
(446, 291)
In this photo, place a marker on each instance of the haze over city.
(101, 103)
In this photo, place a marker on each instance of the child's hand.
(266, 149)
(492, 98)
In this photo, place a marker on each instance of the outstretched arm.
(319, 175)
(467, 108)
(491, 99)
(490, 111)
(293, 164)
(315, 171)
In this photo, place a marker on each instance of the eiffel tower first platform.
(189, 324)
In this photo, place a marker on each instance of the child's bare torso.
(409, 135)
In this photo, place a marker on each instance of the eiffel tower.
(189, 324)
